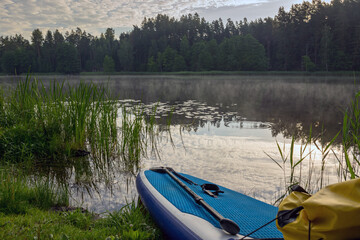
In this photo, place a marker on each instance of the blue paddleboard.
(180, 217)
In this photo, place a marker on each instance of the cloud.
(94, 16)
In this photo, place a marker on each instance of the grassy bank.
(35, 209)
(130, 222)
(49, 133)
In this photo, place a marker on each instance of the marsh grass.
(347, 155)
(351, 139)
(18, 193)
(51, 123)
(58, 122)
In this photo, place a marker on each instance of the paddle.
(226, 224)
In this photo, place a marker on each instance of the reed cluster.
(301, 170)
(57, 122)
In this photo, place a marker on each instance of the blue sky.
(94, 16)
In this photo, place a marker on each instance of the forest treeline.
(314, 36)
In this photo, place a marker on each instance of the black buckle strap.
(211, 189)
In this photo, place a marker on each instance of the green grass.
(128, 223)
(18, 192)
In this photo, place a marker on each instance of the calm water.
(222, 126)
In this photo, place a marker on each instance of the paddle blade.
(229, 226)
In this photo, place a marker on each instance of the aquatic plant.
(348, 155)
(59, 122)
(351, 140)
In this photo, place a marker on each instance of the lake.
(224, 128)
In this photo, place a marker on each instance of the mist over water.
(222, 125)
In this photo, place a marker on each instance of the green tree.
(110, 34)
(152, 66)
(185, 50)
(250, 54)
(67, 59)
(325, 44)
(328, 33)
(356, 51)
(179, 63)
(201, 60)
(48, 53)
(125, 55)
(17, 61)
(37, 40)
(307, 64)
(58, 38)
(226, 59)
(166, 59)
(9, 63)
(108, 65)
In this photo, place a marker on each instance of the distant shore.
(210, 73)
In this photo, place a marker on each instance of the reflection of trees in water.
(291, 104)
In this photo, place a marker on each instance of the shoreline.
(205, 73)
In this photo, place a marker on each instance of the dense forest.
(315, 36)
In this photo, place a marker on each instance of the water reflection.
(290, 103)
(220, 129)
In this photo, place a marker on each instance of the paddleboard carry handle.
(226, 224)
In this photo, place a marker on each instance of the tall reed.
(351, 139)
(348, 157)
(56, 123)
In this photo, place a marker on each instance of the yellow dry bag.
(331, 213)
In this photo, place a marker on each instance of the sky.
(94, 16)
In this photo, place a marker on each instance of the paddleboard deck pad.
(180, 217)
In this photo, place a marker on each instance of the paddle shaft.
(196, 197)
(226, 224)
